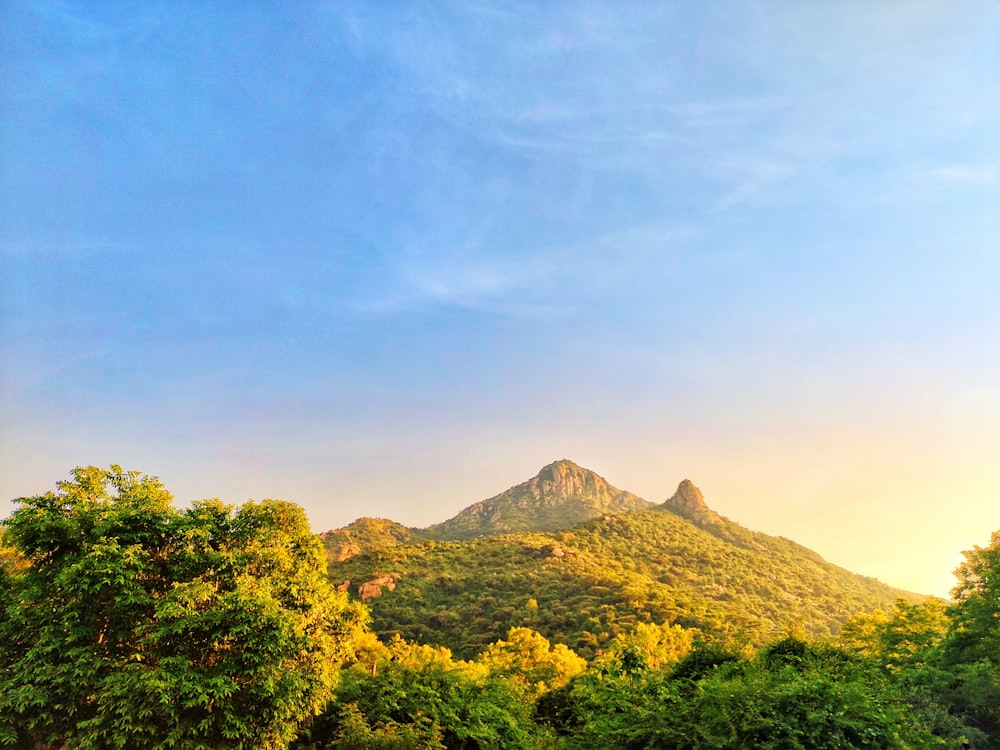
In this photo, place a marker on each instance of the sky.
(390, 259)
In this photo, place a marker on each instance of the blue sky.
(390, 259)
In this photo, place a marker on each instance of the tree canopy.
(971, 649)
(128, 623)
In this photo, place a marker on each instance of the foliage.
(951, 694)
(658, 646)
(903, 639)
(975, 633)
(406, 695)
(366, 535)
(527, 660)
(946, 658)
(971, 649)
(585, 586)
(793, 694)
(347, 728)
(132, 624)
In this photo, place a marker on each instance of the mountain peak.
(559, 496)
(688, 502)
(563, 478)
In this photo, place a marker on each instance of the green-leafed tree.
(128, 623)
(906, 644)
(658, 645)
(905, 638)
(971, 650)
(528, 660)
(975, 634)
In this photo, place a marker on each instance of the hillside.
(678, 562)
(561, 495)
(365, 535)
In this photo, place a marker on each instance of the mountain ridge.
(560, 495)
(678, 562)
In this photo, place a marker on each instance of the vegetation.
(790, 695)
(585, 586)
(402, 695)
(130, 624)
(971, 650)
(364, 535)
(947, 655)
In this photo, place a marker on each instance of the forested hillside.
(587, 583)
(364, 535)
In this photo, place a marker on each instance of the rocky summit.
(688, 502)
(560, 495)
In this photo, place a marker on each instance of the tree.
(131, 624)
(975, 633)
(795, 694)
(527, 660)
(906, 644)
(659, 645)
(905, 638)
(971, 649)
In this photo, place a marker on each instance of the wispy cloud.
(545, 283)
(962, 174)
(750, 180)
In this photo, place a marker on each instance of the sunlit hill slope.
(571, 556)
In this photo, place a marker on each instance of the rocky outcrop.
(564, 479)
(560, 495)
(688, 502)
(373, 589)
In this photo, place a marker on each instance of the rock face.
(562, 494)
(688, 502)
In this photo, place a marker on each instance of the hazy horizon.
(390, 260)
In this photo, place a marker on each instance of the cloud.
(962, 174)
(545, 282)
(751, 179)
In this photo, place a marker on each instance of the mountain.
(562, 494)
(674, 563)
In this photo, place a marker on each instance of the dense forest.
(130, 623)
